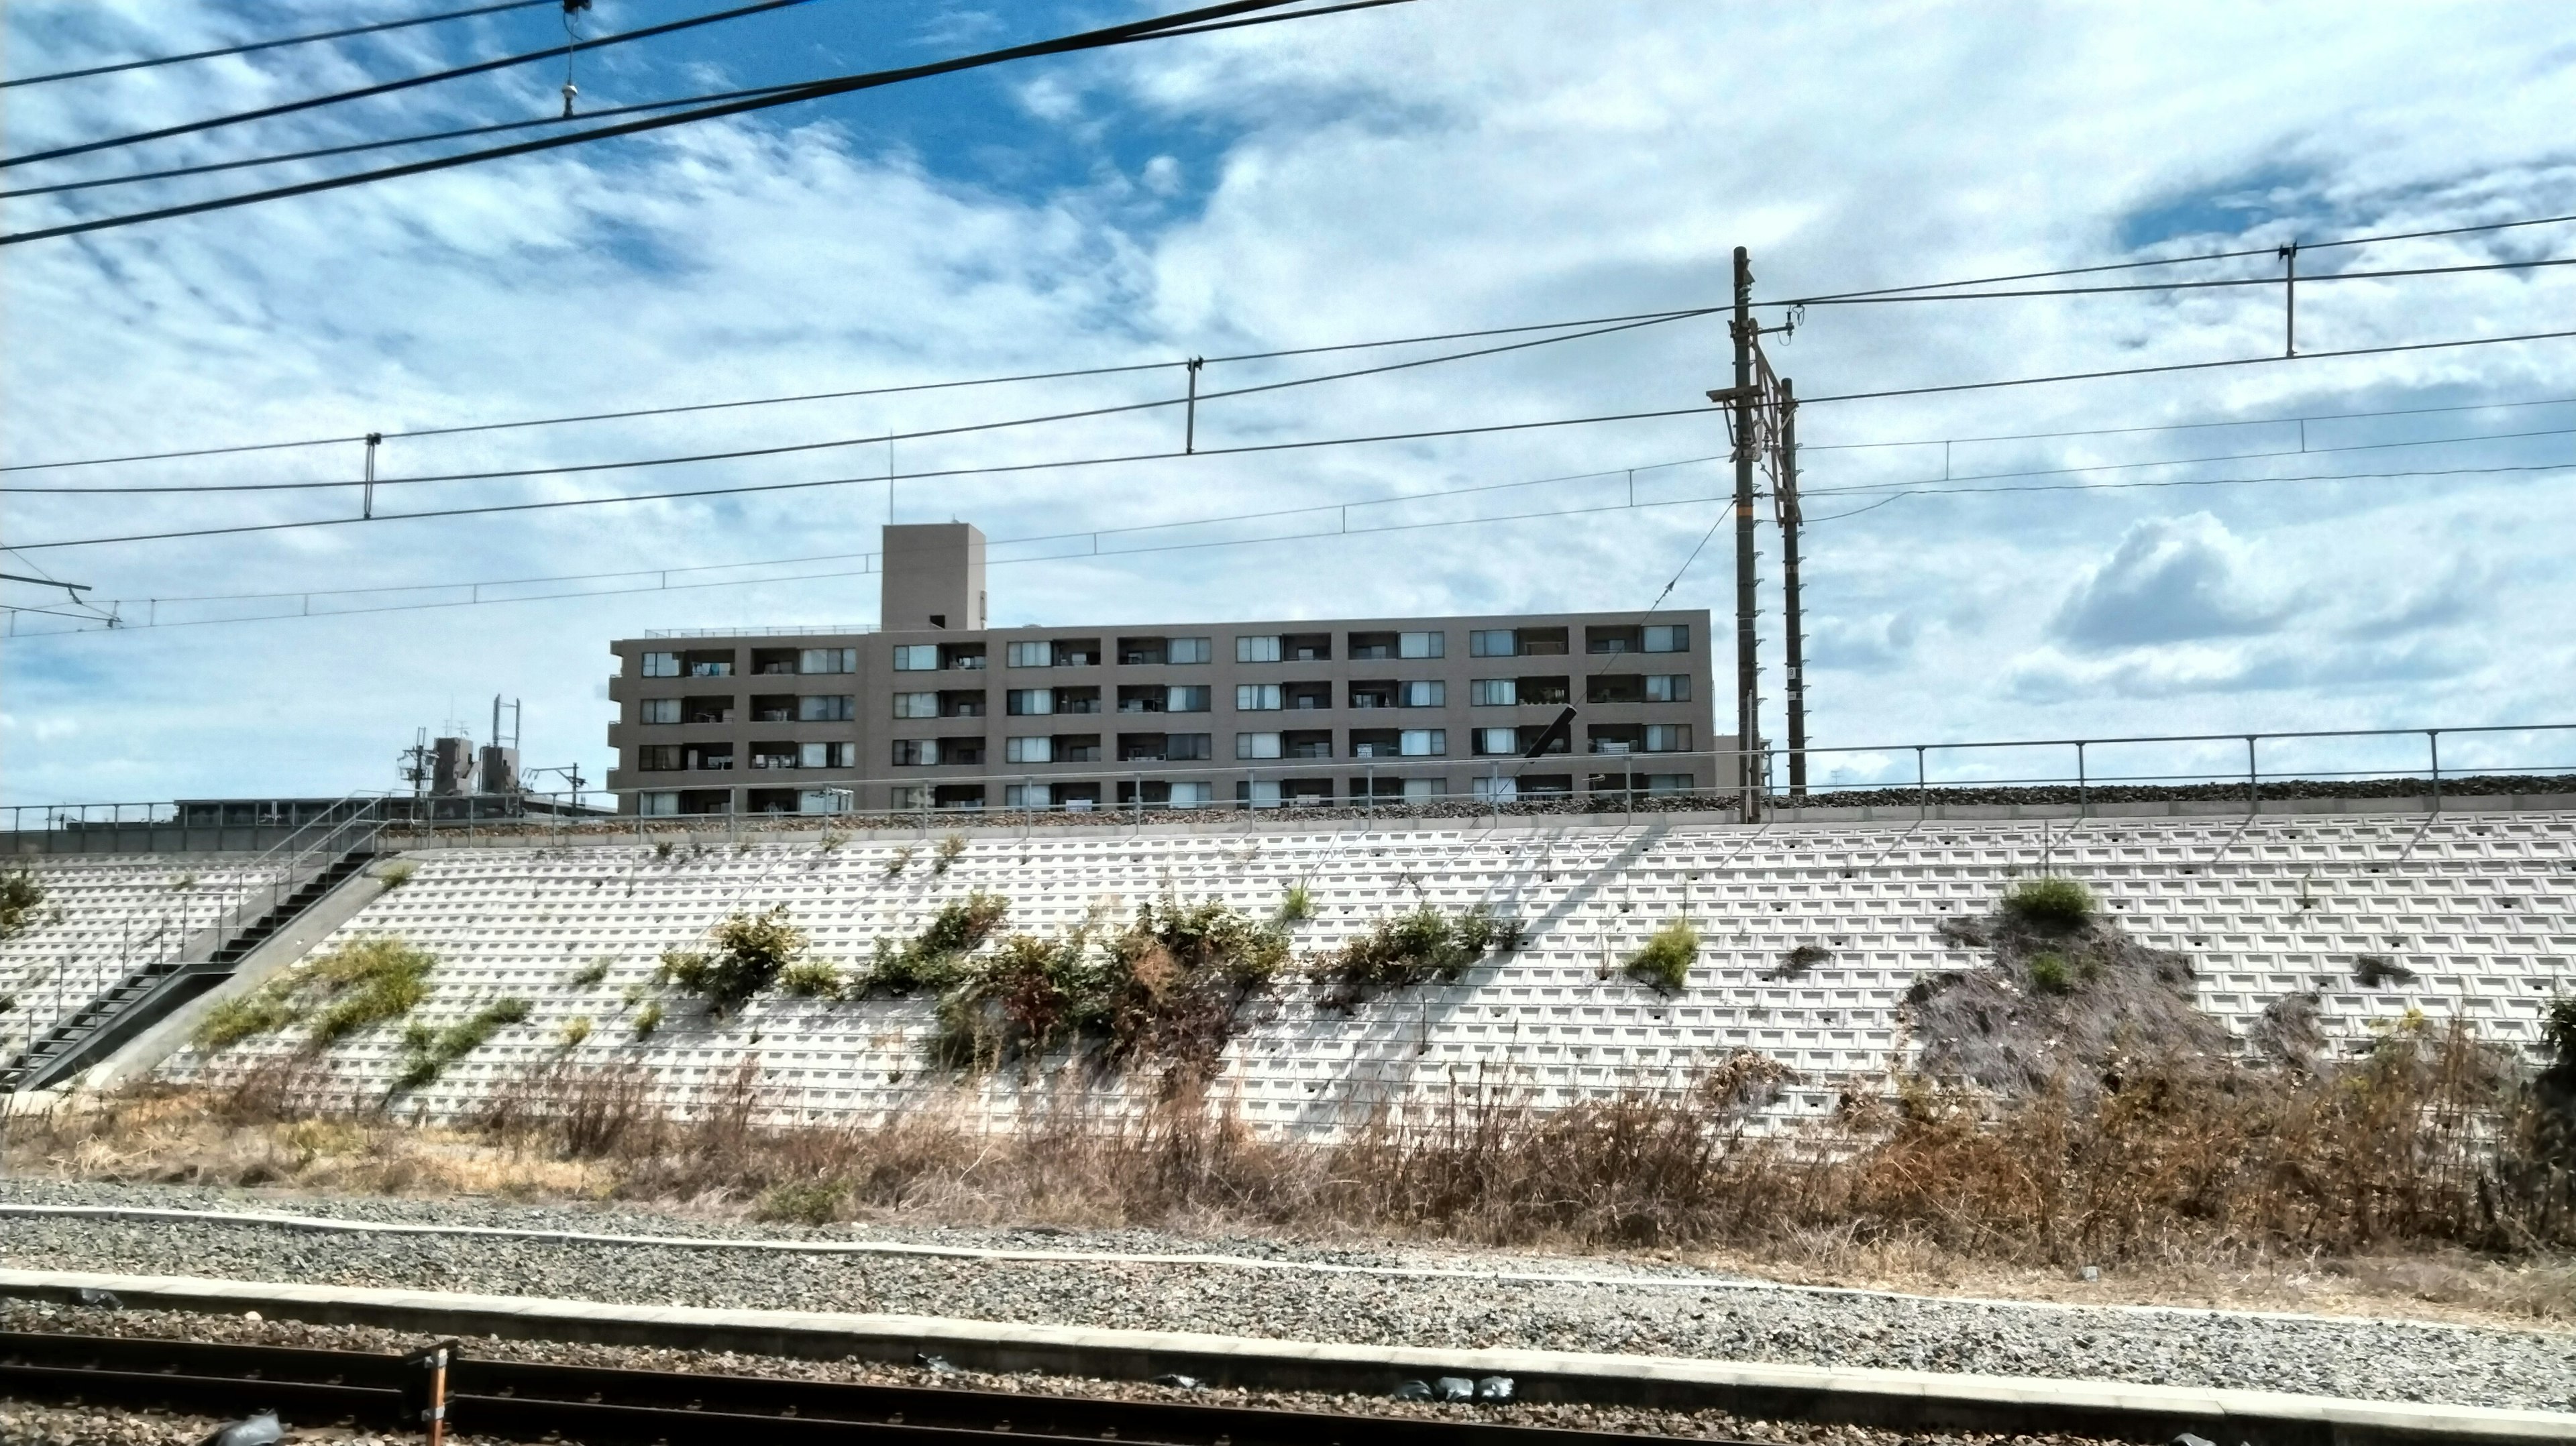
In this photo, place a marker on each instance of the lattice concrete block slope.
(101, 918)
(2481, 908)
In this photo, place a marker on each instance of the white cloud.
(1421, 168)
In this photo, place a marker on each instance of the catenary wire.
(1241, 449)
(1804, 447)
(388, 87)
(122, 624)
(2374, 239)
(1124, 34)
(2218, 285)
(1099, 371)
(352, 147)
(248, 47)
(792, 448)
(1671, 313)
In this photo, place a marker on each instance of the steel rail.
(527, 1400)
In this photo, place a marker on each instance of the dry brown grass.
(2423, 1172)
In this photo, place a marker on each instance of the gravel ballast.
(1670, 1311)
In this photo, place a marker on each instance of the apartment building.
(934, 709)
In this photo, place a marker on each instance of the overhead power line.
(684, 407)
(248, 47)
(2372, 239)
(1804, 447)
(1186, 22)
(1001, 469)
(838, 443)
(205, 168)
(869, 561)
(409, 82)
(2228, 283)
(1675, 313)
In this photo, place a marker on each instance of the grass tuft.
(396, 874)
(1665, 962)
(20, 897)
(951, 848)
(1421, 946)
(427, 1053)
(2050, 973)
(2050, 902)
(810, 979)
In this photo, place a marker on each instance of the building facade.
(932, 709)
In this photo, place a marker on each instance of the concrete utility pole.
(1748, 722)
(1786, 498)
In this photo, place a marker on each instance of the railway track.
(532, 1401)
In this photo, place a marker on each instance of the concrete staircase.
(150, 993)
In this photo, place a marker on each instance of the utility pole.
(1748, 723)
(1785, 499)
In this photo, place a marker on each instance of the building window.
(917, 658)
(658, 710)
(1493, 643)
(1668, 638)
(659, 802)
(1028, 750)
(1498, 742)
(1193, 747)
(1032, 655)
(1422, 645)
(916, 752)
(1420, 790)
(664, 665)
(1029, 702)
(961, 655)
(1256, 745)
(1257, 793)
(1257, 650)
(1192, 650)
(916, 705)
(826, 755)
(911, 795)
(1668, 687)
(1028, 795)
(710, 664)
(1140, 699)
(1376, 743)
(1425, 742)
(1077, 748)
(711, 756)
(773, 755)
(827, 660)
(1498, 789)
(1141, 652)
(1186, 700)
(1670, 783)
(1668, 738)
(658, 758)
(1429, 694)
(1256, 697)
(823, 800)
(826, 708)
(1193, 795)
(1494, 692)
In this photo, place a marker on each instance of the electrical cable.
(256, 45)
(1100, 371)
(209, 167)
(1242, 449)
(664, 585)
(2183, 426)
(987, 470)
(789, 448)
(2228, 283)
(1179, 23)
(2370, 240)
(1673, 313)
(409, 82)
(2246, 361)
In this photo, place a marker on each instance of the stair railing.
(286, 866)
(274, 876)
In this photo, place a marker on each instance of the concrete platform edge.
(1903, 1400)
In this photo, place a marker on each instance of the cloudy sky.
(1435, 167)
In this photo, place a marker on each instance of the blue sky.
(1439, 166)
